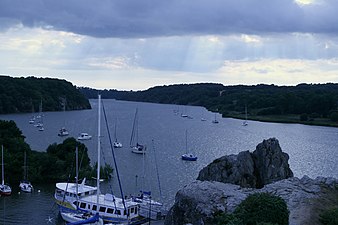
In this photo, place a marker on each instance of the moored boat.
(4, 188)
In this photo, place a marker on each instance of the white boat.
(148, 207)
(41, 128)
(25, 185)
(84, 136)
(4, 188)
(74, 200)
(134, 145)
(81, 218)
(188, 156)
(63, 132)
(116, 143)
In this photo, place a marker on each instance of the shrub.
(329, 217)
(263, 207)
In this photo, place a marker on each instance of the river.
(313, 150)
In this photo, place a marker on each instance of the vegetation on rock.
(258, 208)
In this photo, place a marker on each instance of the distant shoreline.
(286, 119)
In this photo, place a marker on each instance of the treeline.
(309, 100)
(18, 95)
(55, 165)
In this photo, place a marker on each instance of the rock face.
(265, 165)
(198, 202)
(227, 181)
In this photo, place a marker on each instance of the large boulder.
(198, 202)
(265, 165)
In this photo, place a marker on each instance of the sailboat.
(149, 208)
(63, 131)
(215, 120)
(4, 188)
(134, 145)
(188, 156)
(116, 143)
(76, 202)
(39, 120)
(25, 185)
(245, 123)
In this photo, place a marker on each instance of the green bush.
(329, 217)
(263, 207)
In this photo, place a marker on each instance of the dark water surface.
(313, 150)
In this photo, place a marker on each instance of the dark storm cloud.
(149, 18)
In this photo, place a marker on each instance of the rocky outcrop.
(227, 181)
(198, 202)
(265, 165)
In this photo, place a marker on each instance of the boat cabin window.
(132, 210)
(88, 206)
(118, 212)
(124, 212)
(102, 209)
(136, 210)
(94, 207)
(83, 205)
(110, 210)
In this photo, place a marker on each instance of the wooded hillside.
(308, 101)
(19, 95)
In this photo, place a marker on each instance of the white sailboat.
(116, 143)
(25, 185)
(134, 145)
(188, 156)
(63, 131)
(4, 188)
(149, 208)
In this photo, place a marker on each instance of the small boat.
(63, 132)
(116, 144)
(81, 218)
(149, 207)
(188, 156)
(32, 120)
(134, 145)
(41, 128)
(215, 120)
(4, 188)
(84, 136)
(25, 185)
(139, 149)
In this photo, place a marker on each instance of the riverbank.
(290, 118)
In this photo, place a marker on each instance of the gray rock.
(198, 202)
(265, 165)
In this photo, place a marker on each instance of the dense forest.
(305, 102)
(27, 94)
(56, 164)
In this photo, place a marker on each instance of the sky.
(138, 44)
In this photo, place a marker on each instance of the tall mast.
(77, 171)
(2, 165)
(98, 152)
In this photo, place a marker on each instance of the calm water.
(313, 150)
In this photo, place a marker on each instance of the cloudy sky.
(137, 44)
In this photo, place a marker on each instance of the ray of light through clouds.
(132, 44)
